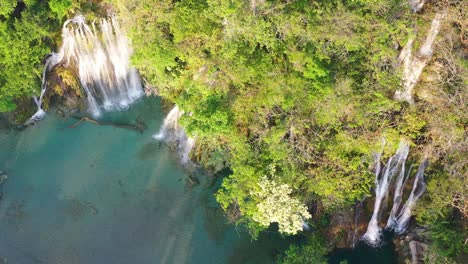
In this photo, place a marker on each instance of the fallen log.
(139, 126)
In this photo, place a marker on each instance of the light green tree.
(277, 206)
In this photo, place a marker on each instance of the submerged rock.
(3, 178)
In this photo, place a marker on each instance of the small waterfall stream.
(399, 218)
(172, 133)
(51, 61)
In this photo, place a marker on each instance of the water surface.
(365, 254)
(101, 194)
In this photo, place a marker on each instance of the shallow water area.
(103, 194)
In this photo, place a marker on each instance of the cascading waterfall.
(400, 223)
(382, 183)
(399, 217)
(103, 63)
(169, 129)
(398, 195)
(171, 132)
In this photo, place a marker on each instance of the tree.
(26, 31)
(60, 7)
(314, 252)
(277, 206)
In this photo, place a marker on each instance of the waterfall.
(100, 53)
(401, 222)
(382, 183)
(51, 61)
(399, 217)
(398, 196)
(169, 129)
(101, 56)
(172, 133)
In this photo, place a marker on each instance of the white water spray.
(51, 61)
(417, 5)
(398, 195)
(399, 217)
(103, 63)
(400, 223)
(382, 183)
(172, 133)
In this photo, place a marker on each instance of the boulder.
(3, 178)
(150, 90)
(417, 251)
(411, 247)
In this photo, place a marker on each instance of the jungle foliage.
(303, 86)
(29, 30)
(306, 87)
(26, 30)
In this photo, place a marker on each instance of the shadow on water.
(149, 151)
(365, 254)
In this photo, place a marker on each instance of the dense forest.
(290, 98)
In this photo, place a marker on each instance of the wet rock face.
(347, 226)
(150, 90)
(63, 92)
(414, 64)
(341, 229)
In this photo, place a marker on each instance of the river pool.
(102, 194)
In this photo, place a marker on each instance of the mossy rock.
(64, 90)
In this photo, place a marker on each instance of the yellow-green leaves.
(275, 205)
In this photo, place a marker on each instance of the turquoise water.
(101, 194)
